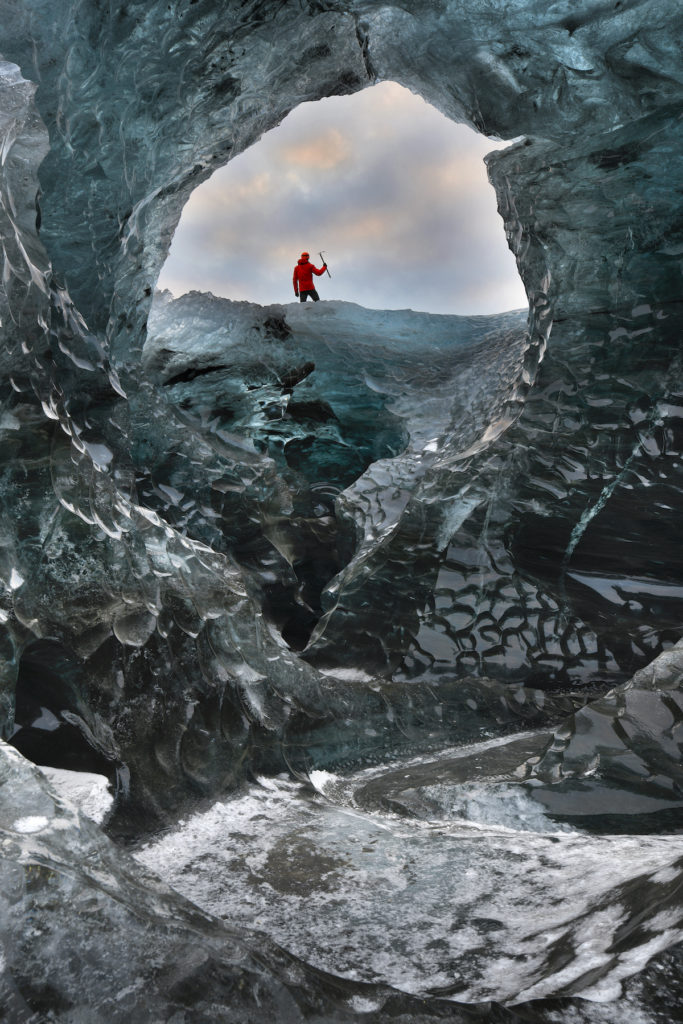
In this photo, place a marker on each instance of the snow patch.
(88, 792)
(33, 823)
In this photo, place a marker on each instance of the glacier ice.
(241, 541)
(87, 934)
(438, 906)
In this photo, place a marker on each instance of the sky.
(394, 193)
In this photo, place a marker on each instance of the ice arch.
(143, 102)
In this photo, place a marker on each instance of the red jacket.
(303, 276)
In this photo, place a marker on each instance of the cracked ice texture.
(123, 546)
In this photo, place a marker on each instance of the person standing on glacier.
(303, 278)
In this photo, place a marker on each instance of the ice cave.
(341, 648)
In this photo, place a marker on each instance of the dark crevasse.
(47, 726)
(351, 407)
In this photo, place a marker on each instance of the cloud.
(394, 192)
(326, 152)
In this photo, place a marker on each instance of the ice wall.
(140, 102)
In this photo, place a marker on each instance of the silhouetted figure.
(303, 278)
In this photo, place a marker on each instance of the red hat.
(305, 254)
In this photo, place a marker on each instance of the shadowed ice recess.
(371, 620)
(354, 410)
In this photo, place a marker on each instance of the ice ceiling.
(217, 560)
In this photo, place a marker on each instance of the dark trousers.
(312, 292)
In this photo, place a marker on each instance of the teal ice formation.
(370, 619)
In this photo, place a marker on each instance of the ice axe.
(325, 262)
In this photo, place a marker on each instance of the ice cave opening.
(390, 189)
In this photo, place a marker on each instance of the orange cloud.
(208, 203)
(373, 226)
(321, 154)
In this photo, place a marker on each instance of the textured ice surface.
(217, 561)
(86, 935)
(362, 437)
(437, 906)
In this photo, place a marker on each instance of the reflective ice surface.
(269, 543)
(472, 908)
